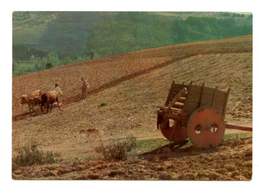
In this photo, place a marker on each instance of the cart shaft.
(238, 127)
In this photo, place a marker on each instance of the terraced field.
(124, 101)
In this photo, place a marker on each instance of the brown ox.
(32, 99)
(50, 99)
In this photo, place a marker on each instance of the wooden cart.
(196, 112)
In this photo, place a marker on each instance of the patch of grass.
(117, 149)
(237, 136)
(146, 145)
(31, 155)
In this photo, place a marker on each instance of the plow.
(195, 113)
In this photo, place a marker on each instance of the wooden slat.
(202, 89)
(219, 102)
(192, 102)
(207, 96)
(175, 109)
(225, 106)
(169, 94)
(181, 93)
(175, 88)
(178, 105)
(182, 99)
(214, 97)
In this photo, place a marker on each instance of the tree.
(53, 58)
(49, 65)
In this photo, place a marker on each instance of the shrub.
(49, 65)
(117, 149)
(31, 154)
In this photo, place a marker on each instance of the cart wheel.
(206, 128)
(173, 132)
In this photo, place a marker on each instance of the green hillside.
(45, 39)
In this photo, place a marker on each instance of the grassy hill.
(58, 38)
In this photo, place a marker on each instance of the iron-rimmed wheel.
(205, 128)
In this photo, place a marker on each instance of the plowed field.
(231, 161)
(105, 72)
(125, 93)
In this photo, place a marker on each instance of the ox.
(51, 99)
(31, 100)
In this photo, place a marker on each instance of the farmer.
(58, 90)
(85, 86)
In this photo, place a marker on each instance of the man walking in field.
(58, 89)
(85, 86)
(59, 93)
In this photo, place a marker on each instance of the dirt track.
(230, 161)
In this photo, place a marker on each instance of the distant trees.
(90, 55)
(74, 37)
(53, 58)
(36, 64)
(126, 32)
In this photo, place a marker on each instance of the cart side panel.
(193, 99)
(207, 96)
(175, 88)
(214, 98)
(219, 102)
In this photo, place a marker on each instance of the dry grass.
(32, 155)
(116, 149)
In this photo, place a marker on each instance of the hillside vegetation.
(42, 40)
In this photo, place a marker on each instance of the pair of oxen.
(46, 100)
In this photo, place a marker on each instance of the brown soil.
(110, 71)
(230, 161)
(126, 91)
(131, 106)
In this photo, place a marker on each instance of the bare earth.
(230, 161)
(128, 106)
